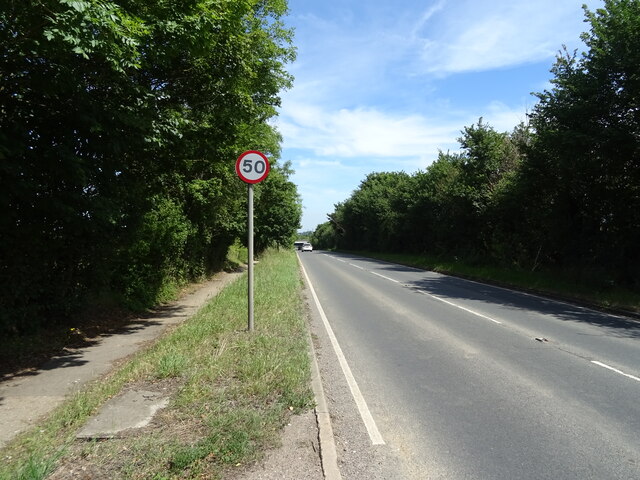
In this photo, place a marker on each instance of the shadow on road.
(452, 288)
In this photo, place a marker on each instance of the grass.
(562, 284)
(236, 256)
(232, 391)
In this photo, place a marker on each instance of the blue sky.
(383, 86)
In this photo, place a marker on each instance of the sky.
(383, 86)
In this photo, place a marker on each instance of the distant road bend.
(468, 381)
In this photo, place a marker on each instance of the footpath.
(24, 400)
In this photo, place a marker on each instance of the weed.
(234, 389)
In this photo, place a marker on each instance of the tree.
(435, 211)
(119, 126)
(65, 131)
(278, 209)
(324, 236)
(372, 216)
(585, 161)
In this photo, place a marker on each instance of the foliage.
(563, 191)
(372, 214)
(119, 126)
(450, 208)
(231, 392)
(278, 210)
(588, 135)
(324, 237)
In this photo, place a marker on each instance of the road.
(434, 377)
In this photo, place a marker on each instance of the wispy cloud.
(361, 132)
(474, 36)
(370, 132)
(382, 87)
(426, 16)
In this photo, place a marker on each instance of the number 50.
(249, 165)
(252, 166)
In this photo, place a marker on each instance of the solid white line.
(604, 365)
(357, 266)
(461, 307)
(365, 413)
(386, 278)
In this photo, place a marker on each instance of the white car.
(307, 247)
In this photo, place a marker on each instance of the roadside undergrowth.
(231, 391)
(558, 283)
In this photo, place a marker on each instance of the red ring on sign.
(248, 166)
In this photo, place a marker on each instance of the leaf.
(77, 5)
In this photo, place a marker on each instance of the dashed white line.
(461, 307)
(595, 362)
(608, 367)
(433, 296)
(365, 413)
(386, 278)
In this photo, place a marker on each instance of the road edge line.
(326, 439)
(363, 408)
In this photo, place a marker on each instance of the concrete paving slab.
(132, 409)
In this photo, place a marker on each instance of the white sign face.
(252, 166)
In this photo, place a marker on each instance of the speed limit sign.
(252, 166)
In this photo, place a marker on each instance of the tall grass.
(233, 389)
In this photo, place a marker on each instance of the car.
(298, 245)
(307, 247)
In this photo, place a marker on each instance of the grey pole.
(250, 244)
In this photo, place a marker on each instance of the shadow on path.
(67, 343)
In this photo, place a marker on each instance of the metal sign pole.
(250, 245)
(252, 167)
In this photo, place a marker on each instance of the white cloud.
(475, 36)
(372, 133)
(360, 132)
(504, 118)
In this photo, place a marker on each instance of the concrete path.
(25, 399)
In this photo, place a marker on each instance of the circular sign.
(252, 166)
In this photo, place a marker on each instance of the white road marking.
(434, 296)
(600, 364)
(604, 365)
(460, 307)
(386, 278)
(365, 413)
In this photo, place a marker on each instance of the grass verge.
(231, 391)
(560, 284)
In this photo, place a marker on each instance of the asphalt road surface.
(434, 377)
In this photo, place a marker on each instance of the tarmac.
(307, 445)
